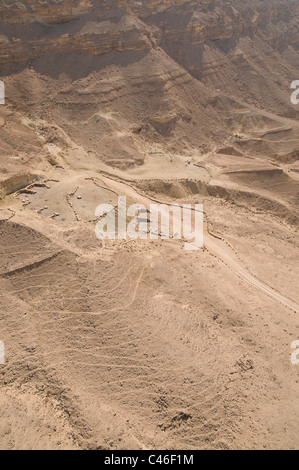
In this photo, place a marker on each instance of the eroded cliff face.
(181, 72)
(230, 45)
(50, 11)
(43, 29)
(196, 22)
(175, 25)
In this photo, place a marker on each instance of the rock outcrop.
(213, 65)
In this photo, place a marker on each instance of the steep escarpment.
(51, 11)
(90, 29)
(118, 77)
(200, 21)
(245, 49)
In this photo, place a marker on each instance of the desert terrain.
(140, 344)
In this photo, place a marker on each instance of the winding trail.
(214, 245)
(222, 252)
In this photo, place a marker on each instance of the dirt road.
(215, 246)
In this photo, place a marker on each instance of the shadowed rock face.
(50, 11)
(42, 29)
(173, 24)
(186, 26)
(228, 46)
(196, 22)
(182, 74)
(189, 68)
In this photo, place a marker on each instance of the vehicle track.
(213, 244)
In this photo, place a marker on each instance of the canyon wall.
(186, 74)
